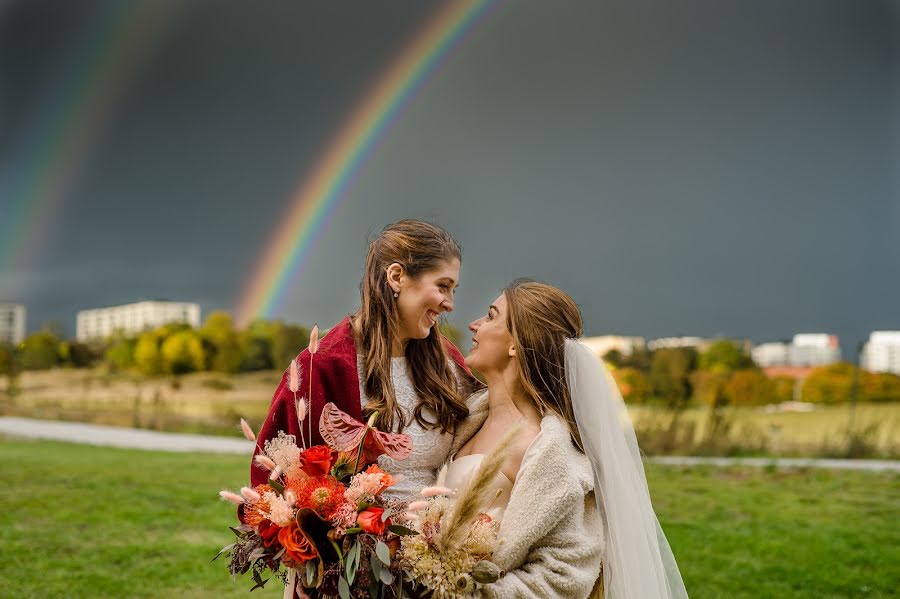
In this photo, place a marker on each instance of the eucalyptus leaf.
(352, 563)
(310, 573)
(383, 553)
(223, 550)
(386, 577)
(385, 515)
(343, 588)
(376, 565)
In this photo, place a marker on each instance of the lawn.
(89, 522)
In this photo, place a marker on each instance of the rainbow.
(67, 124)
(319, 196)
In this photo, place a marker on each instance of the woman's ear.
(395, 273)
(512, 351)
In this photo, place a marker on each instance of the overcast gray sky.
(693, 167)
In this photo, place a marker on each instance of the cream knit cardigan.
(551, 536)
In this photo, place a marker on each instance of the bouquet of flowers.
(320, 522)
(452, 553)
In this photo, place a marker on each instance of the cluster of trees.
(725, 374)
(170, 349)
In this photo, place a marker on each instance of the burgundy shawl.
(334, 379)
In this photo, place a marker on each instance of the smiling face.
(492, 345)
(423, 299)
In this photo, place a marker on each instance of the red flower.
(369, 520)
(269, 532)
(318, 460)
(324, 494)
(296, 546)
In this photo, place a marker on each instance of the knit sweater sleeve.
(565, 564)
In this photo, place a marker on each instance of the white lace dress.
(430, 446)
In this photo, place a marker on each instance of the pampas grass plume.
(474, 497)
(415, 506)
(301, 411)
(275, 473)
(249, 494)
(248, 432)
(314, 340)
(265, 461)
(435, 491)
(294, 381)
(232, 497)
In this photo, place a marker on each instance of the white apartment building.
(12, 323)
(814, 349)
(605, 343)
(700, 343)
(133, 318)
(771, 354)
(805, 349)
(882, 352)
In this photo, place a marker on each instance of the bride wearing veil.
(575, 514)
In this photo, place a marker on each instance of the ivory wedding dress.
(456, 474)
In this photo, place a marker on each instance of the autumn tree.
(183, 352)
(670, 371)
(222, 344)
(39, 351)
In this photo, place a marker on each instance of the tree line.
(175, 348)
(725, 375)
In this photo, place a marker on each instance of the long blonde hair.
(419, 247)
(540, 317)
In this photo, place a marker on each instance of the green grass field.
(90, 522)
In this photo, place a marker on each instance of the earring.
(396, 294)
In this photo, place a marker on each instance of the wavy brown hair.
(540, 318)
(419, 247)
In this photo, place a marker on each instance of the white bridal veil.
(638, 563)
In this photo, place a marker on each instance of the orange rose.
(296, 546)
(369, 520)
(386, 479)
(318, 460)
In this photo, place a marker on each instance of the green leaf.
(376, 565)
(343, 588)
(223, 550)
(337, 550)
(276, 485)
(352, 563)
(401, 530)
(353, 531)
(386, 577)
(310, 573)
(383, 553)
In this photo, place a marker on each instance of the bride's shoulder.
(552, 450)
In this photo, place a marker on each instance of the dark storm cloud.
(680, 168)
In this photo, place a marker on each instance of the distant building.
(698, 343)
(804, 350)
(771, 354)
(816, 349)
(133, 318)
(624, 345)
(882, 352)
(12, 323)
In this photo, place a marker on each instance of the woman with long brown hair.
(572, 490)
(389, 358)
